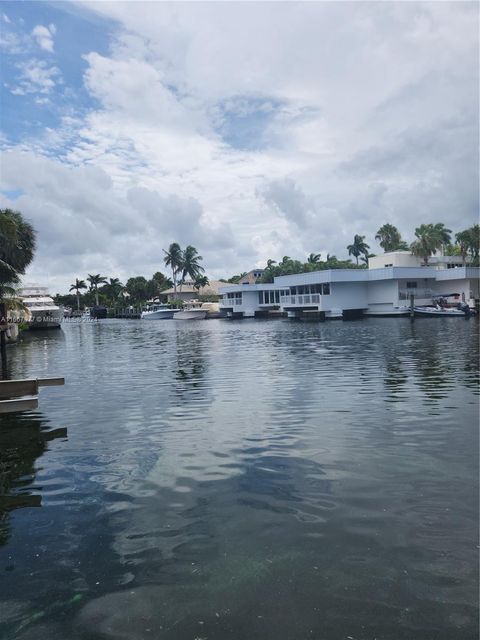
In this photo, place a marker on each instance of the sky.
(249, 130)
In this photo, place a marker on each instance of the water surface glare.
(243, 480)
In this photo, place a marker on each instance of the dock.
(22, 395)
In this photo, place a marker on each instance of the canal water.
(243, 480)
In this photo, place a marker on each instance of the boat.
(387, 313)
(193, 310)
(43, 312)
(158, 312)
(461, 311)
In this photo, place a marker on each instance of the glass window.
(411, 285)
(326, 289)
(277, 296)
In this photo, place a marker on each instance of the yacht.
(43, 313)
(158, 312)
(193, 310)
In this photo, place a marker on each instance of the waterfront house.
(382, 289)
(187, 291)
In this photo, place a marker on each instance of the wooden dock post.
(412, 305)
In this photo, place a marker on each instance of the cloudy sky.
(250, 130)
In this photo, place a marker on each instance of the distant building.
(187, 291)
(252, 276)
(385, 288)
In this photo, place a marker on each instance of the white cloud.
(36, 76)
(44, 36)
(255, 130)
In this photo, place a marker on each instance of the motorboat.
(43, 313)
(159, 312)
(372, 312)
(461, 311)
(193, 310)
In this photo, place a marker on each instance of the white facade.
(383, 290)
(406, 259)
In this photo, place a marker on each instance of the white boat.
(43, 312)
(193, 310)
(443, 312)
(158, 312)
(191, 314)
(387, 313)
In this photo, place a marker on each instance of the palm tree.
(430, 237)
(390, 239)
(190, 263)
(17, 245)
(314, 258)
(79, 284)
(358, 247)
(475, 241)
(114, 288)
(95, 280)
(174, 259)
(462, 239)
(366, 256)
(444, 234)
(270, 262)
(200, 282)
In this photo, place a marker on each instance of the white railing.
(301, 300)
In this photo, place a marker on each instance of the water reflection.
(253, 480)
(23, 439)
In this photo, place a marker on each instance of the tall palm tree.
(358, 247)
(114, 288)
(174, 259)
(94, 281)
(474, 241)
(444, 235)
(430, 237)
(389, 238)
(462, 239)
(314, 258)
(78, 286)
(17, 245)
(191, 263)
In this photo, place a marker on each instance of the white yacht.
(43, 313)
(193, 310)
(158, 312)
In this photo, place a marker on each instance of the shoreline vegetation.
(138, 290)
(18, 243)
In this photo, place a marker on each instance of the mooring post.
(412, 304)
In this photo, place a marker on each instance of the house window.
(411, 285)
(389, 265)
(326, 289)
(260, 297)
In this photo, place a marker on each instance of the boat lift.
(22, 395)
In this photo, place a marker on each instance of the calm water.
(244, 481)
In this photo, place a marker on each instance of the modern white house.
(385, 288)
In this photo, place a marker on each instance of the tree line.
(18, 242)
(184, 263)
(429, 238)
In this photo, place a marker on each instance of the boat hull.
(387, 313)
(158, 315)
(431, 312)
(45, 318)
(192, 314)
